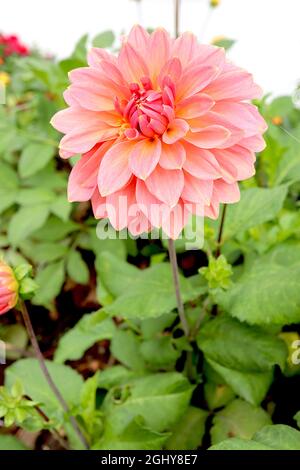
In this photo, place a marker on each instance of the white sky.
(268, 31)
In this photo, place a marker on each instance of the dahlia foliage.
(8, 288)
(165, 129)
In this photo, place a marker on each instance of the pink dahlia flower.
(165, 129)
(8, 288)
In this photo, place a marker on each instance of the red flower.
(11, 45)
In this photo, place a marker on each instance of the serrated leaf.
(268, 291)
(91, 328)
(238, 346)
(257, 205)
(68, 381)
(77, 268)
(34, 157)
(189, 432)
(26, 221)
(238, 419)
(50, 281)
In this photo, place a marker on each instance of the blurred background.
(267, 30)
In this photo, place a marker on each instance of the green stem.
(177, 17)
(220, 234)
(180, 307)
(47, 375)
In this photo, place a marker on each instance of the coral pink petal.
(99, 205)
(237, 85)
(194, 106)
(237, 163)
(144, 157)
(83, 177)
(96, 55)
(197, 190)
(195, 80)
(173, 69)
(175, 221)
(114, 172)
(254, 143)
(185, 48)
(139, 39)
(209, 137)
(81, 140)
(201, 163)
(91, 98)
(151, 207)
(121, 206)
(172, 156)
(175, 131)
(242, 115)
(132, 64)
(166, 185)
(159, 50)
(226, 193)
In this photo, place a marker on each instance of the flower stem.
(177, 17)
(45, 371)
(180, 307)
(221, 228)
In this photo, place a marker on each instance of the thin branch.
(221, 228)
(180, 307)
(45, 371)
(177, 17)
(55, 434)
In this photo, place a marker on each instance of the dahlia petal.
(212, 211)
(226, 193)
(132, 64)
(166, 185)
(197, 190)
(139, 224)
(237, 85)
(208, 137)
(151, 207)
(144, 157)
(83, 177)
(139, 38)
(173, 69)
(81, 140)
(96, 55)
(194, 106)
(254, 143)
(121, 206)
(242, 115)
(236, 163)
(98, 205)
(114, 172)
(173, 224)
(90, 99)
(175, 131)
(67, 119)
(172, 156)
(185, 47)
(160, 45)
(208, 54)
(195, 80)
(212, 119)
(201, 163)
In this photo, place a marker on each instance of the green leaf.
(103, 40)
(32, 196)
(189, 432)
(280, 437)
(125, 347)
(224, 42)
(151, 326)
(34, 157)
(237, 346)
(91, 328)
(276, 437)
(116, 375)
(43, 252)
(8, 177)
(160, 352)
(7, 198)
(77, 268)
(257, 205)
(55, 230)
(268, 291)
(68, 381)
(238, 419)
(160, 399)
(25, 222)
(50, 281)
(61, 207)
(251, 386)
(8, 442)
(150, 294)
(133, 437)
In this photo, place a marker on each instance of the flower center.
(148, 111)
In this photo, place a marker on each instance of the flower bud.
(214, 3)
(8, 288)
